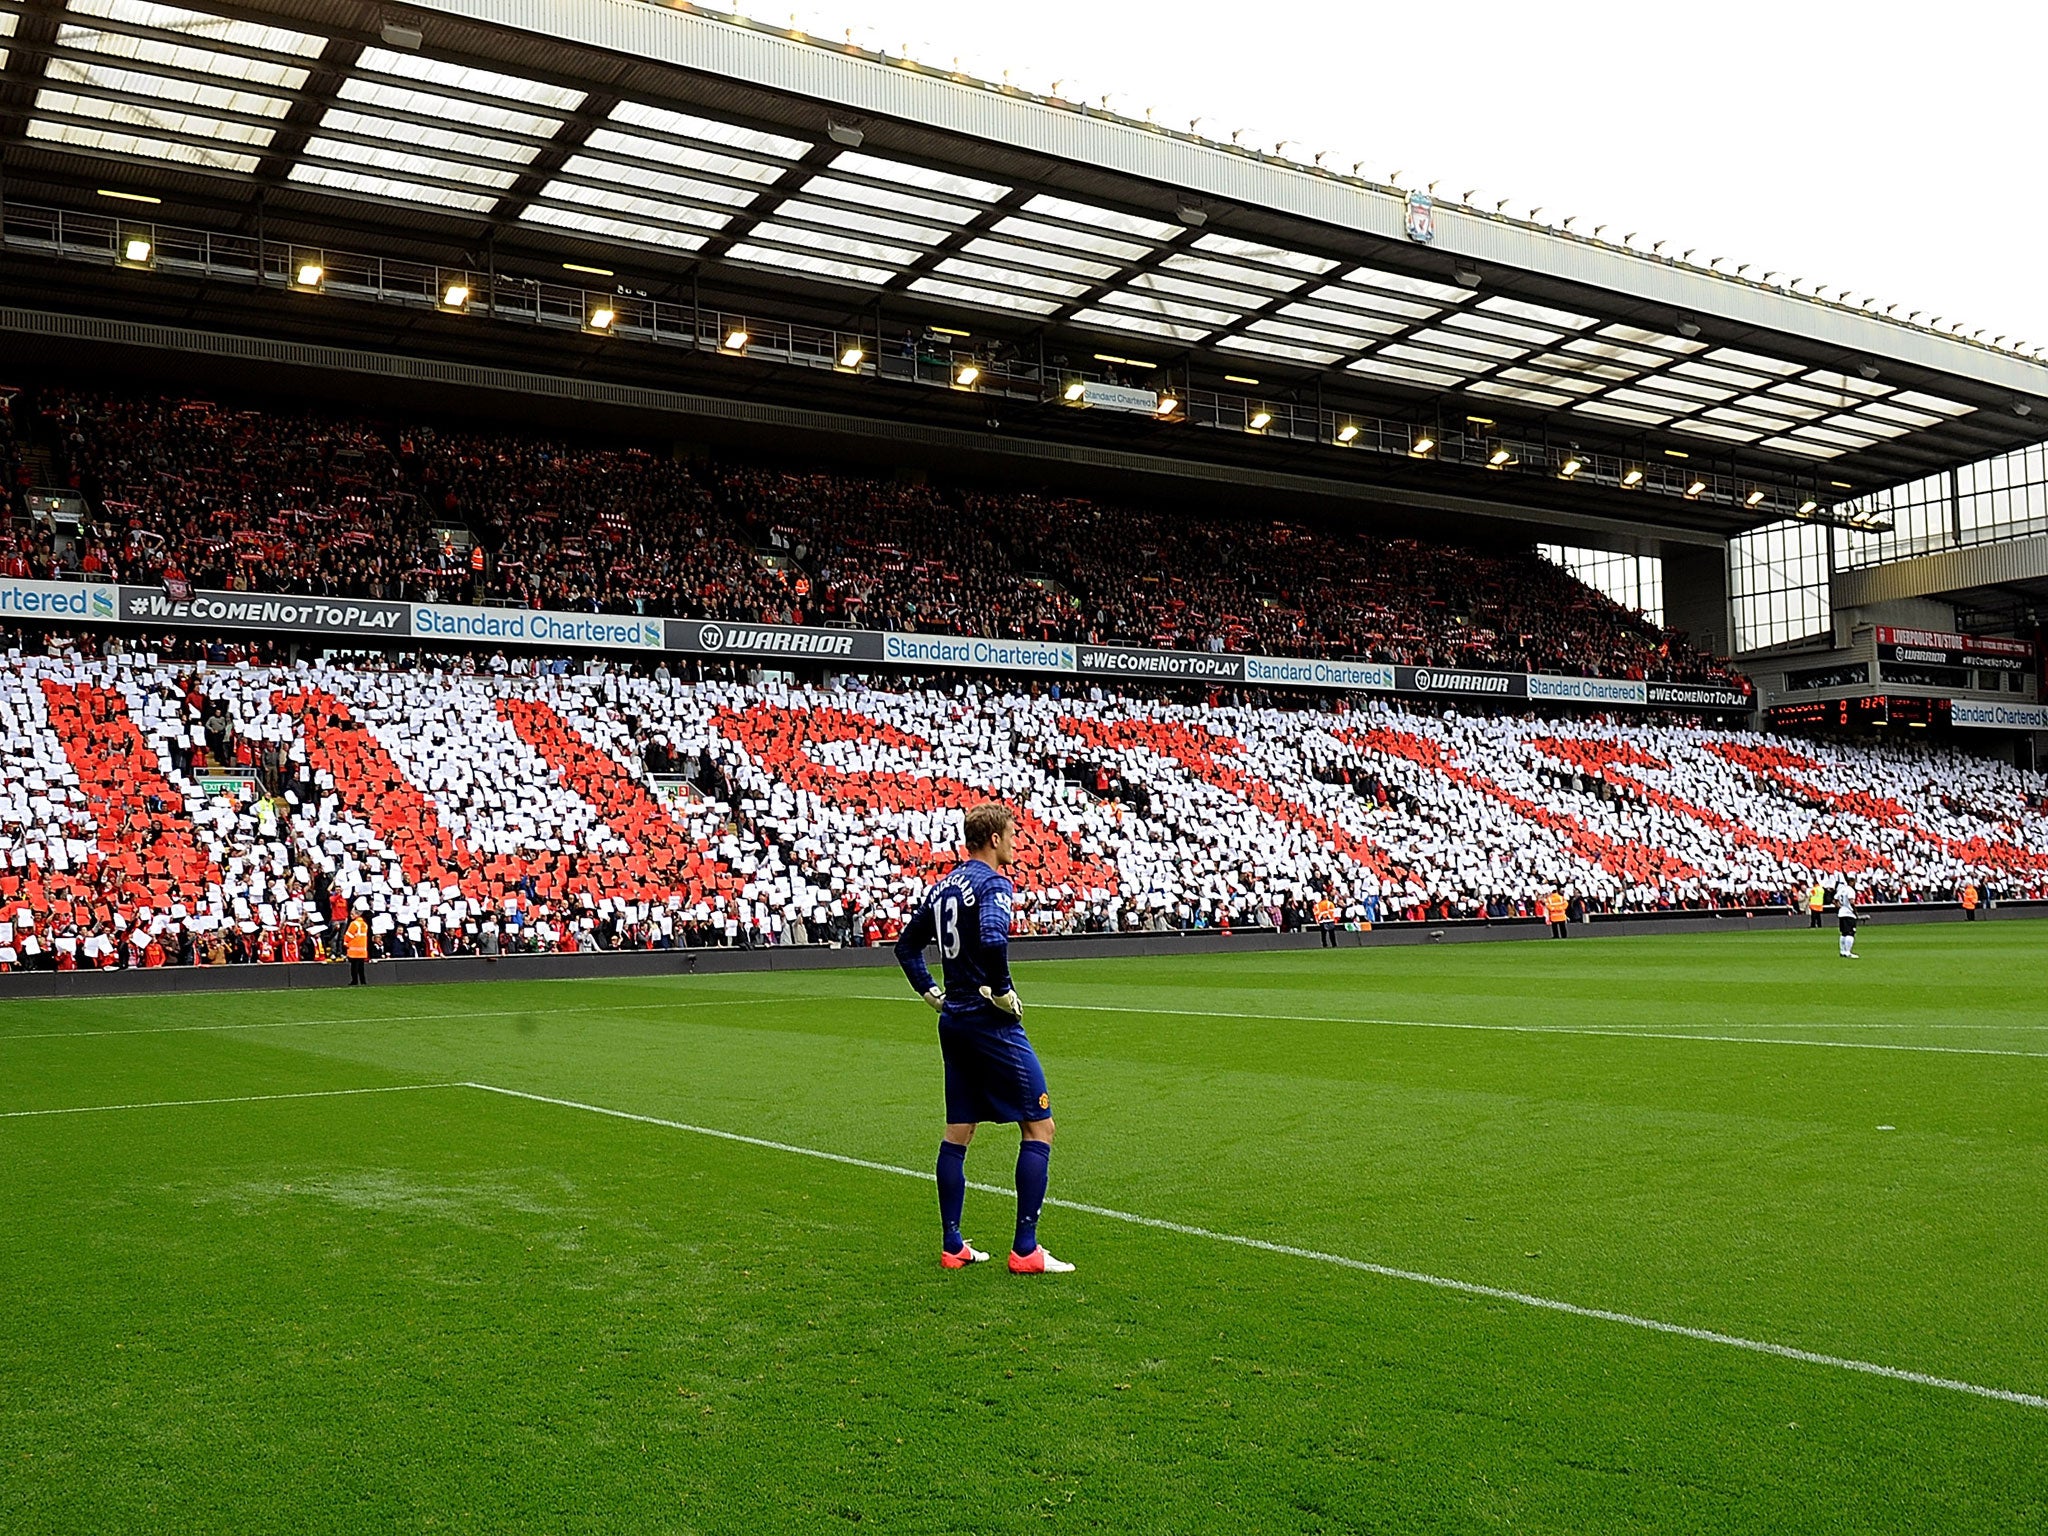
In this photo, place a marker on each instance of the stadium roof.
(782, 175)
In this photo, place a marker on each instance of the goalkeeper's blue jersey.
(967, 914)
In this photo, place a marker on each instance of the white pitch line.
(384, 1018)
(244, 1098)
(1362, 1266)
(1648, 1032)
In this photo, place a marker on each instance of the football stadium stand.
(466, 809)
(270, 500)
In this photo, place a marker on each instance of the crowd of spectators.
(296, 501)
(486, 810)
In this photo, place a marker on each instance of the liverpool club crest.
(1421, 217)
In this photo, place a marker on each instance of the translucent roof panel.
(1405, 373)
(1753, 361)
(1256, 279)
(375, 183)
(470, 146)
(404, 163)
(476, 82)
(607, 228)
(968, 293)
(706, 130)
(628, 149)
(1867, 427)
(1266, 255)
(1415, 287)
(1059, 238)
(869, 252)
(199, 26)
(130, 139)
(1260, 346)
(1356, 298)
(1544, 379)
(115, 80)
(888, 200)
(6, 30)
(1139, 325)
(643, 209)
(1445, 362)
(1560, 319)
(1715, 429)
(901, 173)
(1518, 392)
(823, 267)
(1010, 277)
(609, 176)
(1611, 411)
(1680, 345)
(1584, 367)
(1172, 309)
(840, 220)
(1362, 328)
(1809, 450)
(1091, 217)
(410, 101)
(1778, 403)
(1891, 410)
(1460, 341)
(1844, 383)
(1006, 254)
(1934, 403)
(1340, 342)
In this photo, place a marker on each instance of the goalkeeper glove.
(937, 998)
(1009, 1002)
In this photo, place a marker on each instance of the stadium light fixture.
(1755, 498)
(1631, 479)
(852, 357)
(1168, 405)
(136, 251)
(131, 197)
(1808, 507)
(1497, 458)
(1840, 485)
(1261, 420)
(1238, 378)
(1694, 490)
(1570, 467)
(736, 339)
(1422, 447)
(577, 266)
(946, 330)
(455, 297)
(1480, 421)
(967, 376)
(1348, 432)
(1075, 392)
(311, 275)
(601, 319)
(1676, 453)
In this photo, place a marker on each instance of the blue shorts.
(991, 1071)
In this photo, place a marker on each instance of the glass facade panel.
(1634, 581)
(1778, 584)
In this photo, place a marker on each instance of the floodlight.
(1261, 420)
(966, 376)
(601, 318)
(137, 251)
(1696, 488)
(736, 339)
(1571, 467)
(852, 357)
(1075, 392)
(1632, 479)
(1500, 457)
(1168, 405)
(456, 296)
(1347, 432)
(1808, 507)
(1754, 498)
(1423, 446)
(311, 274)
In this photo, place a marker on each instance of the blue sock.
(1033, 1160)
(952, 1191)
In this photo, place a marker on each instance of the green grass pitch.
(301, 1307)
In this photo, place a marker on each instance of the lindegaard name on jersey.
(366, 617)
(706, 638)
(1136, 662)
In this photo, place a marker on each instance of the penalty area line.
(240, 1098)
(1336, 1260)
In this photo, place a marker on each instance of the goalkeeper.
(991, 1071)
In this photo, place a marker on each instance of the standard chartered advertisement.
(2002, 717)
(75, 601)
(1588, 690)
(536, 626)
(974, 652)
(1313, 672)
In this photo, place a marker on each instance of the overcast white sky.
(1870, 146)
